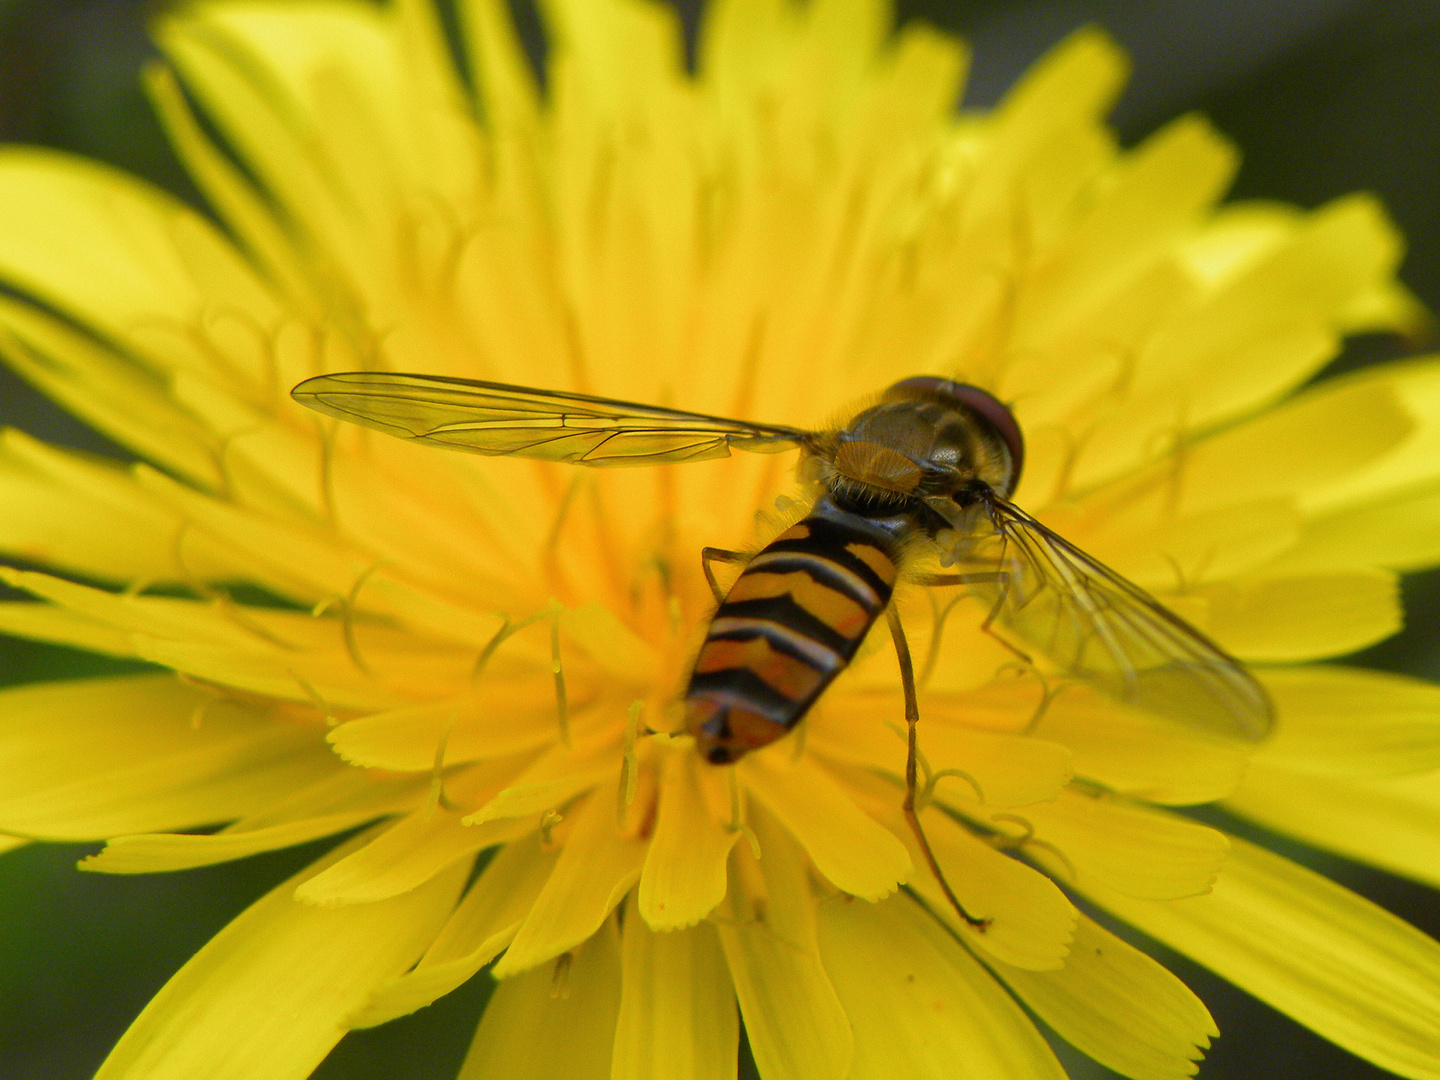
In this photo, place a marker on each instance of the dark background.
(1323, 97)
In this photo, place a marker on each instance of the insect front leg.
(710, 555)
(912, 720)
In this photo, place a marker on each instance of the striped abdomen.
(790, 623)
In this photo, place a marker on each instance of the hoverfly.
(931, 467)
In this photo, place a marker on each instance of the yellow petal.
(1143, 539)
(920, 1005)
(10, 843)
(1072, 84)
(1383, 821)
(677, 1008)
(1416, 386)
(499, 718)
(236, 200)
(342, 791)
(555, 777)
(851, 849)
(1337, 963)
(483, 923)
(1113, 1002)
(795, 1023)
(1154, 196)
(1331, 431)
(557, 1020)
(1396, 531)
(81, 515)
(1252, 339)
(44, 622)
(408, 854)
(1255, 337)
(1304, 616)
(148, 853)
(280, 654)
(503, 77)
(594, 872)
(1008, 770)
(610, 643)
(118, 255)
(684, 877)
(109, 757)
(1350, 721)
(269, 994)
(1134, 755)
(302, 561)
(266, 108)
(112, 395)
(1031, 920)
(1133, 849)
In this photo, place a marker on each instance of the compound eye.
(981, 403)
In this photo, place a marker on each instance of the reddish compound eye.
(980, 403)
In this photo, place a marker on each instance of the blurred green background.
(1323, 96)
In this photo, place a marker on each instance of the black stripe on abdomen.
(790, 623)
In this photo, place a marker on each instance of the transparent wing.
(1106, 630)
(495, 418)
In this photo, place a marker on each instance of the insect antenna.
(912, 719)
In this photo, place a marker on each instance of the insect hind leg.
(710, 555)
(912, 720)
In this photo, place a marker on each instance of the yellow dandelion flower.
(472, 665)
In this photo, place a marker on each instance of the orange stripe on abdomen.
(784, 674)
(878, 561)
(832, 607)
(791, 622)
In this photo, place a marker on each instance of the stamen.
(750, 882)
(562, 701)
(1175, 474)
(937, 633)
(958, 774)
(314, 696)
(508, 629)
(550, 553)
(347, 617)
(560, 978)
(1000, 840)
(548, 820)
(1028, 839)
(327, 432)
(1045, 845)
(737, 820)
(227, 607)
(212, 695)
(630, 762)
(437, 778)
(136, 587)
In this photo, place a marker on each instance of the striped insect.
(926, 471)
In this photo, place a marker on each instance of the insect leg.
(912, 719)
(714, 554)
(989, 577)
